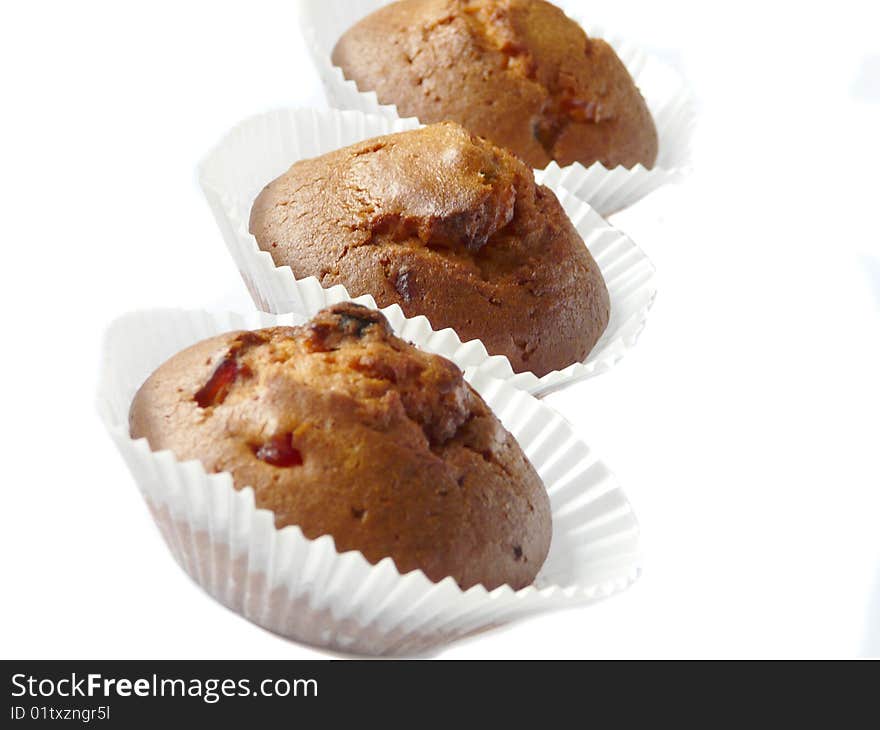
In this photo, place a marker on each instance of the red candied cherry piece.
(218, 386)
(279, 451)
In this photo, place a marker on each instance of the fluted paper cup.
(307, 591)
(263, 147)
(608, 191)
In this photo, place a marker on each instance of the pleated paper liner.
(304, 589)
(263, 147)
(323, 22)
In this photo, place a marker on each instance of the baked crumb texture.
(447, 225)
(519, 72)
(343, 429)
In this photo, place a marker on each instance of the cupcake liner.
(263, 147)
(323, 22)
(304, 589)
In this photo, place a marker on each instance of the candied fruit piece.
(228, 371)
(355, 324)
(279, 451)
(403, 285)
(219, 384)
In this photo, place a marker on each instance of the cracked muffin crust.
(343, 429)
(449, 226)
(519, 72)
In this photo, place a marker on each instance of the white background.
(744, 426)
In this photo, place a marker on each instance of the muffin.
(449, 226)
(345, 430)
(519, 72)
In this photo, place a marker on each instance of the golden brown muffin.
(448, 226)
(345, 430)
(518, 72)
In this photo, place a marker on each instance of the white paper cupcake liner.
(323, 22)
(263, 147)
(305, 590)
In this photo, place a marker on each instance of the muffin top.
(439, 188)
(343, 429)
(519, 72)
(447, 225)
